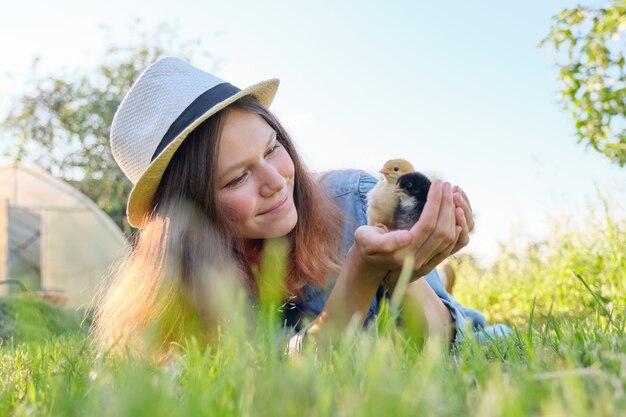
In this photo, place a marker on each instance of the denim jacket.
(349, 189)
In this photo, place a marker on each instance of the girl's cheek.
(286, 167)
(240, 204)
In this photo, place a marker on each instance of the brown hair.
(172, 241)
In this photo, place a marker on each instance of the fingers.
(462, 227)
(444, 233)
(438, 258)
(461, 200)
(378, 249)
(427, 222)
(457, 189)
(373, 240)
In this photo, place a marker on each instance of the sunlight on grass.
(565, 358)
(546, 274)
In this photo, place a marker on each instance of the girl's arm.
(434, 237)
(350, 298)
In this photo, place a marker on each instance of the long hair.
(174, 249)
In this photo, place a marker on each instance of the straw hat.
(168, 100)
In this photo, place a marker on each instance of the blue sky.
(459, 88)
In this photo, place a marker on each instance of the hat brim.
(140, 200)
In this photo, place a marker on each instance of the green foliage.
(589, 45)
(563, 360)
(271, 281)
(27, 318)
(546, 274)
(573, 369)
(63, 123)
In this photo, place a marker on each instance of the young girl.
(182, 135)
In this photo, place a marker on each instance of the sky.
(461, 89)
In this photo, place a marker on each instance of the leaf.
(62, 122)
(585, 39)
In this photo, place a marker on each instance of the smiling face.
(255, 177)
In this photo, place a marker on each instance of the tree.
(63, 124)
(589, 46)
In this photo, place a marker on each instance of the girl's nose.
(272, 181)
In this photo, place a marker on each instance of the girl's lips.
(278, 206)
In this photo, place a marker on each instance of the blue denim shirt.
(349, 189)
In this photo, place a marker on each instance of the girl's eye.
(240, 179)
(237, 180)
(272, 149)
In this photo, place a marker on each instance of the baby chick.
(381, 200)
(412, 190)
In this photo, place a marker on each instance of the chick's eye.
(409, 184)
(396, 169)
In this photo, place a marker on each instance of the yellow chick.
(382, 200)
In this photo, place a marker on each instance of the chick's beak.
(384, 171)
(399, 189)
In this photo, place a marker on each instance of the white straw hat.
(168, 100)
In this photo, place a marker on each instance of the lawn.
(564, 298)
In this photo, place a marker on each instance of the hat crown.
(155, 100)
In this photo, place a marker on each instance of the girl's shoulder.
(337, 183)
(348, 188)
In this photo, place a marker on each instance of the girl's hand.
(435, 235)
(374, 251)
(464, 218)
(433, 238)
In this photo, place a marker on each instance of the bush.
(27, 318)
(544, 275)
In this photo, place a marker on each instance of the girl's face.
(255, 177)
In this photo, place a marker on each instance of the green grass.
(27, 318)
(562, 369)
(546, 275)
(566, 358)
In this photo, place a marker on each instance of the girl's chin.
(276, 229)
(281, 230)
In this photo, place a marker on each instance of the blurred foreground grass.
(566, 358)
